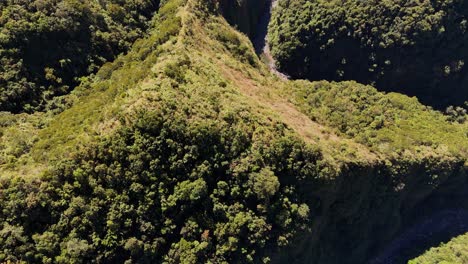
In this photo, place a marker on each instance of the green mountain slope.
(188, 150)
(47, 46)
(413, 47)
(454, 251)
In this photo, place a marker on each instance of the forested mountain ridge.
(413, 47)
(47, 46)
(188, 150)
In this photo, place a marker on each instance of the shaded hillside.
(47, 46)
(188, 150)
(414, 47)
(244, 14)
(432, 231)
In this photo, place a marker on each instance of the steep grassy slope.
(413, 47)
(188, 150)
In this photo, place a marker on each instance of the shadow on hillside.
(409, 72)
(439, 228)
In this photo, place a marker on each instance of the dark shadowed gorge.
(412, 48)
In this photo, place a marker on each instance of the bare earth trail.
(310, 131)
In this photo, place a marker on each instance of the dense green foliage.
(387, 123)
(455, 251)
(161, 189)
(185, 179)
(414, 47)
(187, 150)
(47, 45)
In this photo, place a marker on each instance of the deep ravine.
(439, 227)
(260, 41)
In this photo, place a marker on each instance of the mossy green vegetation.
(455, 251)
(188, 150)
(413, 47)
(391, 124)
(162, 189)
(169, 175)
(46, 46)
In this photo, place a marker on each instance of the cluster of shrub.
(387, 123)
(454, 251)
(162, 190)
(47, 45)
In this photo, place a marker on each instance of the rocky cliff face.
(360, 213)
(244, 14)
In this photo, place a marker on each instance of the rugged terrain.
(412, 47)
(188, 149)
